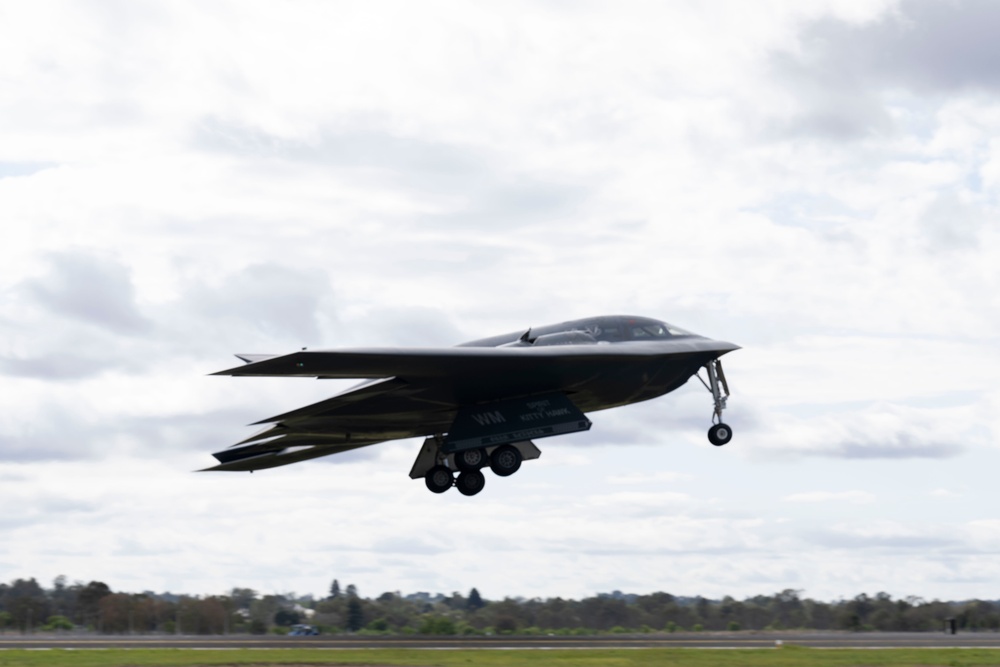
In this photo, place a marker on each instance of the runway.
(701, 640)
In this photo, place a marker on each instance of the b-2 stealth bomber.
(483, 403)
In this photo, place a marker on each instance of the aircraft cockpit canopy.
(616, 329)
(608, 329)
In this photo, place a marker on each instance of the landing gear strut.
(719, 433)
(464, 469)
(440, 478)
(469, 481)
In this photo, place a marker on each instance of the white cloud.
(315, 174)
(637, 478)
(852, 497)
(879, 431)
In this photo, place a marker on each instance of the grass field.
(788, 656)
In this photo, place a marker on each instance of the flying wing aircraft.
(483, 403)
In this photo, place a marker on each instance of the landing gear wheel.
(470, 460)
(720, 434)
(505, 460)
(470, 483)
(439, 479)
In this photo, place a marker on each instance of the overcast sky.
(817, 182)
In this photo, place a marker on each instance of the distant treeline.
(26, 606)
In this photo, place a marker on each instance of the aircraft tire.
(470, 483)
(439, 479)
(470, 460)
(720, 434)
(505, 460)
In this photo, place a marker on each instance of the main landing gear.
(719, 433)
(440, 478)
(503, 460)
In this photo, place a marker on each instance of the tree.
(63, 597)
(352, 591)
(263, 610)
(88, 600)
(242, 597)
(28, 604)
(506, 625)
(474, 601)
(787, 609)
(437, 625)
(286, 617)
(335, 589)
(355, 615)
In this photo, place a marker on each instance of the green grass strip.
(790, 656)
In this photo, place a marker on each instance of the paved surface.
(679, 640)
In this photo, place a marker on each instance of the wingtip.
(247, 359)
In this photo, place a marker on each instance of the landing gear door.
(430, 456)
(505, 422)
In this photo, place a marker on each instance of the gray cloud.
(836, 117)
(859, 446)
(369, 453)
(131, 547)
(478, 188)
(842, 69)
(10, 523)
(357, 148)
(274, 299)
(900, 445)
(89, 289)
(834, 539)
(66, 435)
(925, 47)
(413, 327)
(58, 366)
(47, 348)
(410, 545)
(603, 548)
(950, 224)
(879, 431)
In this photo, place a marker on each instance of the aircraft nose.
(724, 346)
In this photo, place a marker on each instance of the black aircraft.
(481, 403)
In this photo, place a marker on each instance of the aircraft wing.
(416, 392)
(436, 362)
(281, 451)
(297, 440)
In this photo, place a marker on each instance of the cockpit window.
(604, 331)
(648, 330)
(615, 329)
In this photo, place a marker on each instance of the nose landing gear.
(719, 433)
